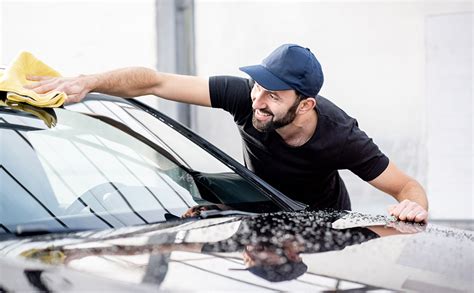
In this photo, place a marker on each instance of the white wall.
(77, 37)
(374, 59)
(1, 29)
(449, 83)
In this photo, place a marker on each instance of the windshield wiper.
(218, 213)
(39, 229)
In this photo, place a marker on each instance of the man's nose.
(258, 101)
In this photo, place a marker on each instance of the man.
(293, 138)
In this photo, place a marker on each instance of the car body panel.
(409, 257)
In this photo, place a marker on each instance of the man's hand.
(413, 203)
(408, 211)
(76, 88)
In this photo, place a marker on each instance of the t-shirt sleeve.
(231, 94)
(361, 155)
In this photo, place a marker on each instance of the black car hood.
(298, 251)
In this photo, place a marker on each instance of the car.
(111, 194)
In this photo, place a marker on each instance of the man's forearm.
(413, 191)
(125, 82)
(128, 83)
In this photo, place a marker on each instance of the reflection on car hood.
(298, 251)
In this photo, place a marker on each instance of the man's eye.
(274, 97)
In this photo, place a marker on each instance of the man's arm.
(413, 203)
(129, 82)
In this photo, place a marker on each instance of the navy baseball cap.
(279, 273)
(289, 67)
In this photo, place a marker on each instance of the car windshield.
(106, 163)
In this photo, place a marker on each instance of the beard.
(273, 123)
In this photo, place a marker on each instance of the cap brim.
(265, 78)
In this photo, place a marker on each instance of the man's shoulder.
(232, 94)
(224, 88)
(332, 113)
(231, 80)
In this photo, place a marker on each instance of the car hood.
(297, 251)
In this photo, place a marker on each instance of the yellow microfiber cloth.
(13, 79)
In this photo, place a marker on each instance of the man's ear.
(306, 105)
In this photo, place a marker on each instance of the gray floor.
(458, 224)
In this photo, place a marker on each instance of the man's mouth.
(261, 115)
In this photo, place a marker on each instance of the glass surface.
(114, 166)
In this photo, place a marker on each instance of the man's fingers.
(73, 98)
(44, 88)
(414, 216)
(411, 214)
(399, 208)
(41, 80)
(38, 78)
(45, 84)
(422, 216)
(34, 86)
(31, 86)
(409, 211)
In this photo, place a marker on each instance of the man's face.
(259, 254)
(273, 109)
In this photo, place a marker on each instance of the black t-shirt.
(307, 173)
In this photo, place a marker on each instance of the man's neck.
(298, 132)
